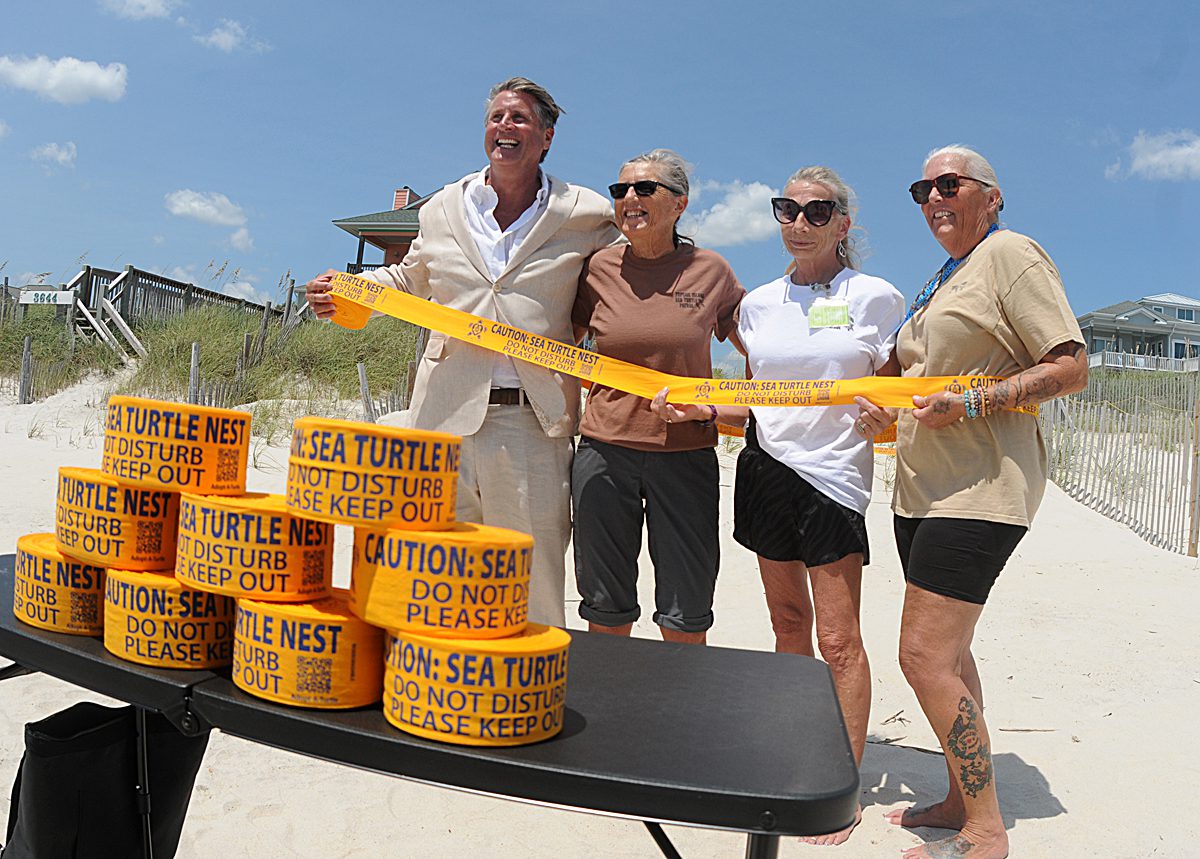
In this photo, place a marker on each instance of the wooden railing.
(138, 294)
(1130, 361)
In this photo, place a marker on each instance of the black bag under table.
(663, 733)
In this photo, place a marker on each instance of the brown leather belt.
(507, 397)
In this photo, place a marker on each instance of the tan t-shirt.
(999, 313)
(660, 313)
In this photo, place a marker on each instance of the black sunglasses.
(816, 212)
(947, 185)
(644, 188)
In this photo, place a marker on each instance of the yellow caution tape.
(175, 446)
(502, 692)
(56, 592)
(471, 581)
(355, 298)
(153, 619)
(251, 546)
(314, 654)
(372, 476)
(115, 526)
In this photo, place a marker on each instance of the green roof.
(397, 221)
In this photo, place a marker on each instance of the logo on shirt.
(475, 330)
(689, 300)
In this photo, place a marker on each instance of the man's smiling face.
(513, 137)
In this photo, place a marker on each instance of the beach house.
(1157, 332)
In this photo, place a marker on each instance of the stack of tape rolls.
(154, 619)
(372, 476)
(314, 654)
(54, 591)
(178, 447)
(110, 525)
(470, 581)
(497, 692)
(251, 546)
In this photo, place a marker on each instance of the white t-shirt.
(819, 442)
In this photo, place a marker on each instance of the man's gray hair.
(848, 250)
(978, 166)
(544, 105)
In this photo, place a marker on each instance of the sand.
(1088, 652)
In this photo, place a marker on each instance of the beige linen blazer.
(536, 291)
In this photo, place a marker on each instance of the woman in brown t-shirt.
(966, 490)
(656, 301)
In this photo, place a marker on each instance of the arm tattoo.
(965, 742)
(1039, 383)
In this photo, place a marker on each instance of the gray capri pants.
(677, 493)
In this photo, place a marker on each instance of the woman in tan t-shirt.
(656, 301)
(971, 466)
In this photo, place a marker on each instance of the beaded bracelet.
(971, 403)
(712, 416)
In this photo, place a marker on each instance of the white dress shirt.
(497, 246)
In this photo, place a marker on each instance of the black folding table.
(663, 733)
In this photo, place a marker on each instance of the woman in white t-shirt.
(804, 477)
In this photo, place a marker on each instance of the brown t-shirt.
(660, 313)
(999, 313)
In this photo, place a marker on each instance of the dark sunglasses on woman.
(947, 185)
(644, 188)
(816, 212)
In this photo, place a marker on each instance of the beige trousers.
(512, 475)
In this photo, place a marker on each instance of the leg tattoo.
(965, 743)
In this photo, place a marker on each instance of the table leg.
(762, 847)
(661, 839)
(143, 786)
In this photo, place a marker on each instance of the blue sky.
(179, 136)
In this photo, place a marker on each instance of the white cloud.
(55, 155)
(245, 289)
(241, 240)
(158, 240)
(3, 129)
(229, 36)
(138, 10)
(67, 80)
(207, 206)
(743, 214)
(1112, 171)
(1173, 155)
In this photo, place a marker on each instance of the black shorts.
(782, 517)
(957, 558)
(613, 490)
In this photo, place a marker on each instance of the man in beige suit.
(508, 244)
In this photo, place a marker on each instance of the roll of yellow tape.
(56, 592)
(174, 446)
(251, 546)
(313, 654)
(372, 476)
(502, 692)
(110, 525)
(471, 581)
(153, 619)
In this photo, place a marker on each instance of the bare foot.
(834, 837)
(958, 846)
(946, 814)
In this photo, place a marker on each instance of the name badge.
(829, 312)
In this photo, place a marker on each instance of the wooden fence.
(1129, 447)
(138, 294)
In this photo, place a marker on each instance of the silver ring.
(862, 427)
